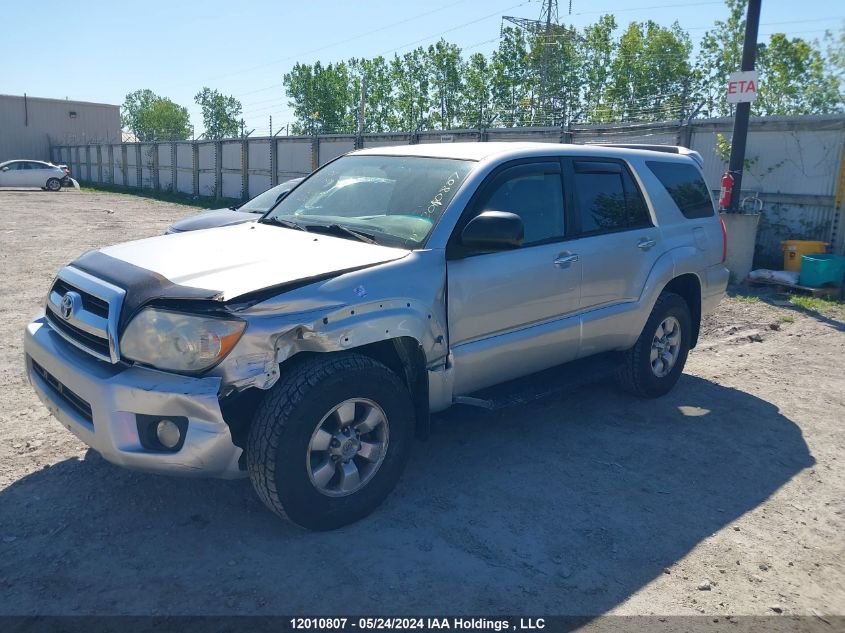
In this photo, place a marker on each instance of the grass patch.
(786, 318)
(203, 202)
(746, 298)
(827, 307)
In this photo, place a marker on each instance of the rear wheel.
(653, 365)
(54, 184)
(330, 440)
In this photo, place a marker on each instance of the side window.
(686, 187)
(607, 198)
(535, 195)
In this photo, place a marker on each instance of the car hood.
(230, 261)
(212, 219)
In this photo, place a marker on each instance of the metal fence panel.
(334, 147)
(184, 168)
(259, 166)
(207, 179)
(165, 173)
(294, 158)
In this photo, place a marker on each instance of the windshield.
(264, 201)
(393, 200)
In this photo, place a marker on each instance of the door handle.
(646, 243)
(564, 259)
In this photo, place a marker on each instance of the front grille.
(63, 393)
(92, 304)
(93, 342)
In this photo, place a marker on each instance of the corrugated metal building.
(30, 125)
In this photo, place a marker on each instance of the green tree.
(443, 62)
(320, 97)
(164, 120)
(511, 82)
(650, 75)
(720, 54)
(556, 69)
(378, 105)
(135, 103)
(597, 51)
(794, 79)
(219, 113)
(477, 101)
(410, 79)
(154, 118)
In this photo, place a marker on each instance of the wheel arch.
(688, 287)
(403, 355)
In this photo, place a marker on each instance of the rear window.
(686, 186)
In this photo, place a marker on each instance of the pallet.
(815, 292)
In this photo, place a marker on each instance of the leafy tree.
(720, 54)
(443, 63)
(410, 79)
(556, 70)
(650, 73)
(378, 104)
(320, 98)
(512, 86)
(477, 96)
(794, 79)
(597, 51)
(219, 113)
(135, 103)
(154, 118)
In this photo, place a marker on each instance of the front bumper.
(98, 402)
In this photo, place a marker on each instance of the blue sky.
(99, 50)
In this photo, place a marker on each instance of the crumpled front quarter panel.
(403, 298)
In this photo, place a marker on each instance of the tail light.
(724, 239)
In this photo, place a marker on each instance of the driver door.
(514, 312)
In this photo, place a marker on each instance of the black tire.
(635, 375)
(54, 184)
(283, 425)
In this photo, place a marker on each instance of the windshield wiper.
(288, 224)
(342, 230)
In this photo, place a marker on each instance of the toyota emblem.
(66, 306)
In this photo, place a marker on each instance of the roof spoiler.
(669, 149)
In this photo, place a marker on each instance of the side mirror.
(493, 231)
(5, 169)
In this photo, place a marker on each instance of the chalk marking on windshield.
(437, 200)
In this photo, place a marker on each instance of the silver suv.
(305, 350)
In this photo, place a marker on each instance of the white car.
(31, 173)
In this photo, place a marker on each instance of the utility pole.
(361, 107)
(271, 125)
(743, 110)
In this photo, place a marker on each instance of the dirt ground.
(724, 497)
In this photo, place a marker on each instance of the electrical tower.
(545, 30)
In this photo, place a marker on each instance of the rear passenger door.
(617, 244)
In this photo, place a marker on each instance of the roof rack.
(668, 149)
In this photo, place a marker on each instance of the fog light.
(168, 434)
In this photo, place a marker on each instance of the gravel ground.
(724, 497)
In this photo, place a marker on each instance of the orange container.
(794, 250)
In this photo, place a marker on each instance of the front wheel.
(330, 440)
(54, 184)
(653, 365)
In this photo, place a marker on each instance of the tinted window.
(607, 198)
(533, 195)
(686, 186)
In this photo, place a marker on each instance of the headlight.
(179, 342)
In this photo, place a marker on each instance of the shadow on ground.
(565, 506)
